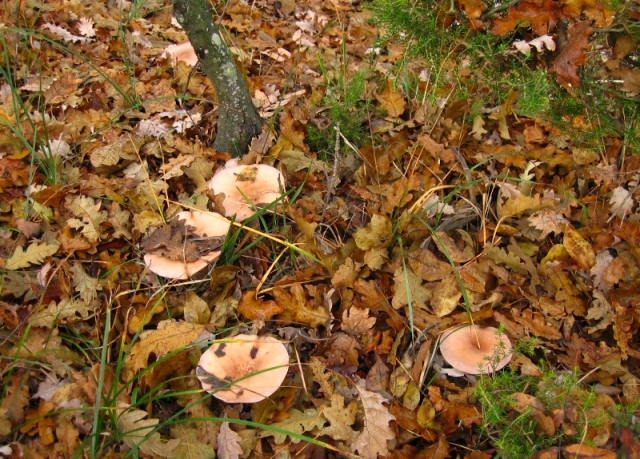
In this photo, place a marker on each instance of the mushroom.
(473, 350)
(225, 367)
(178, 269)
(202, 224)
(205, 224)
(182, 52)
(245, 187)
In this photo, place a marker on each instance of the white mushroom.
(202, 224)
(252, 367)
(245, 187)
(474, 350)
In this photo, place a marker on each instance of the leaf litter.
(439, 219)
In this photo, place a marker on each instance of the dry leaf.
(372, 440)
(631, 80)
(86, 286)
(90, 217)
(541, 15)
(572, 56)
(376, 234)
(426, 265)
(254, 308)
(392, 101)
(409, 286)
(34, 255)
(340, 418)
(298, 422)
(189, 446)
(582, 451)
(297, 309)
(138, 431)
(356, 321)
(622, 202)
(228, 443)
(578, 248)
(66, 311)
(169, 337)
(446, 296)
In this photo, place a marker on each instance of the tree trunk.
(238, 119)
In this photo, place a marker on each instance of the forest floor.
(444, 163)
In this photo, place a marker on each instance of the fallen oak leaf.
(372, 440)
(340, 418)
(298, 309)
(572, 56)
(622, 202)
(392, 101)
(169, 337)
(581, 451)
(356, 321)
(228, 443)
(140, 432)
(298, 422)
(66, 311)
(578, 248)
(34, 255)
(541, 15)
(630, 80)
(190, 447)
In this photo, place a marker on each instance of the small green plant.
(485, 67)
(345, 106)
(513, 407)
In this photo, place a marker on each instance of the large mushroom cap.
(205, 224)
(242, 355)
(182, 52)
(261, 184)
(177, 269)
(202, 224)
(471, 349)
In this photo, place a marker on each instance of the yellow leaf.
(376, 234)
(138, 431)
(34, 255)
(408, 285)
(392, 101)
(170, 336)
(446, 296)
(578, 248)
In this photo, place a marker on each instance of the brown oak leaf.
(541, 15)
(572, 56)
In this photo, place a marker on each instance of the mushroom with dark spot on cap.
(243, 369)
(474, 350)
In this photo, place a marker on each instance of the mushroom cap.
(177, 269)
(459, 347)
(182, 52)
(242, 355)
(260, 183)
(203, 224)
